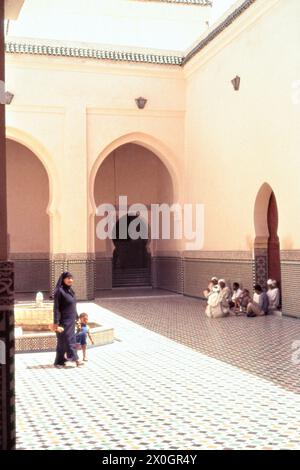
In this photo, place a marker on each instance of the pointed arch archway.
(143, 169)
(41, 152)
(267, 244)
(147, 141)
(30, 181)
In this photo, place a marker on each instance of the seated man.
(236, 296)
(225, 290)
(259, 305)
(273, 296)
(217, 303)
(213, 282)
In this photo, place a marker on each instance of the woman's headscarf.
(60, 283)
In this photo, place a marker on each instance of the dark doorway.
(274, 271)
(131, 259)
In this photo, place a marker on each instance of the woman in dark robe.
(65, 316)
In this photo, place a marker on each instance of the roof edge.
(146, 56)
(50, 48)
(218, 29)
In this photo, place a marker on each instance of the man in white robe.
(218, 301)
(273, 294)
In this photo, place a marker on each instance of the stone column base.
(82, 266)
(7, 352)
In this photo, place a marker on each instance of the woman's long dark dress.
(65, 315)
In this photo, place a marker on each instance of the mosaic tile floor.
(147, 391)
(262, 346)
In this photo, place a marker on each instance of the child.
(82, 332)
(244, 301)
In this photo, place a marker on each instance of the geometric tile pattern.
(290, 279)
(261, 266)
(147, 391)
(82, 266)
(47, 341)
(261, 347)
(197, 271)
(32, 274)
(7, 366)
(168, 273)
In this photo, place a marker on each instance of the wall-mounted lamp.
(141, 102)
(236, 83)
(8, 97)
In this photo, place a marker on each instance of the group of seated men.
(223, 301)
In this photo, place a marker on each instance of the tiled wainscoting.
(185, 274)
(190, 275)
(103, 273)
(32, 272)
(82, 266)
(167, 273)
(39, 272)
(290, 282)
(197, 273)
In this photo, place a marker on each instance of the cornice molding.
(96, 54)
(200, 3)
(209, 49)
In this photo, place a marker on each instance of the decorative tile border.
(218, 255)
(82, 266)
(29, 256)
(261, 266)
(290, 255)
(97, 54)
(47, 341)
(198, 272)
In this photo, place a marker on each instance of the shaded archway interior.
(28, 222)
(130, 252)
(133, 171)
(267, 243)
(274, 270)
